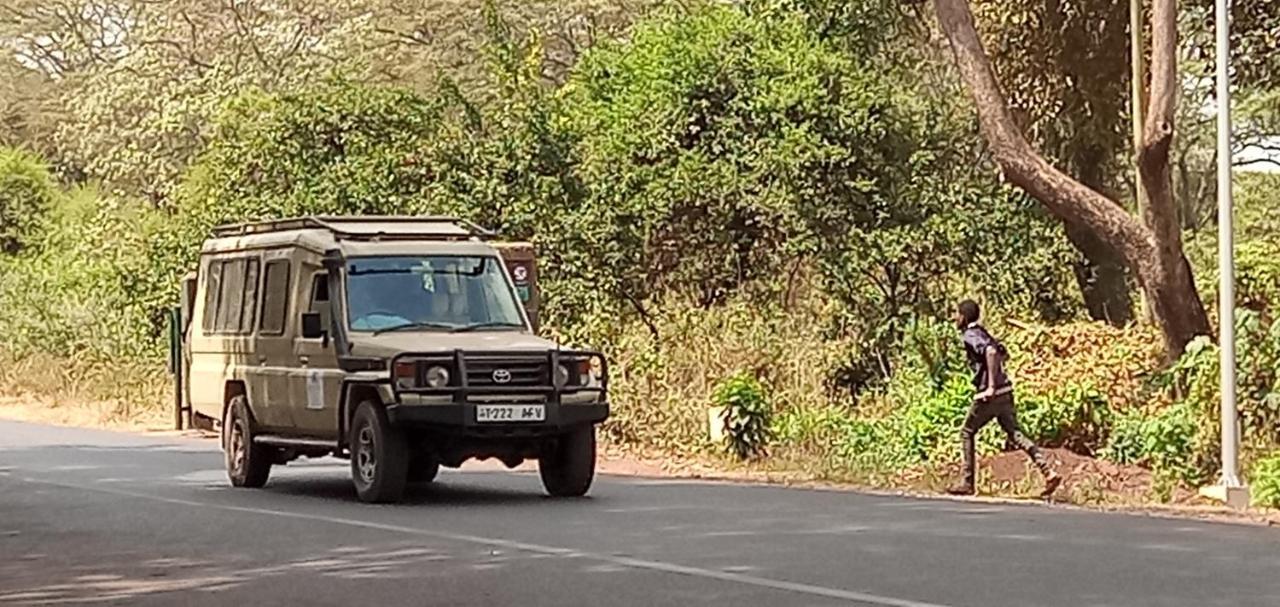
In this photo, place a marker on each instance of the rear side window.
(230, 304)
(250, 303)
(275, 297)
(212, 290)
(231, 296)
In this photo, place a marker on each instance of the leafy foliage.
(1264, 481)
(1074, 416)
(780, 193)
(76, 293)
(746, 414)
(725, 151)
(1165, 441)
(27, 193)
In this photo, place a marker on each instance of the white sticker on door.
(315, 390)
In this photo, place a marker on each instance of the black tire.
(248, 465)
(379, 455)
(423, 468)
(568, 468)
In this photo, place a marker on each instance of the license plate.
(510, 413)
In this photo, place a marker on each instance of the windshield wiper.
(414, 325)
(489, 325)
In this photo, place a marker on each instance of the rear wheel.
(568, 468)
(379, 455)
(248, 465)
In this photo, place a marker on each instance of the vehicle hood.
(391, 344)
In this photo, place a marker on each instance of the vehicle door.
(316, 382)
(273, 344)
(206, 376)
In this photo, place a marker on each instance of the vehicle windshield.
(438, 293)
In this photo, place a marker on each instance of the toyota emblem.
(501, 376)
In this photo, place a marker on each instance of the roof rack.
(367, 227)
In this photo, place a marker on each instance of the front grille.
(522, 372)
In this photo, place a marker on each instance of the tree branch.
(1153, 255)
(1256, 161)
(1063, 196)
(409, 39)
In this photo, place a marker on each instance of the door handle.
(262, 359)
(304, 359)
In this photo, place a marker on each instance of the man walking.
(994, 400)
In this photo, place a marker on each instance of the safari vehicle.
(401, 343)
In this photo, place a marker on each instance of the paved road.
(100, 518)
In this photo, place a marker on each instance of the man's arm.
(993, 369)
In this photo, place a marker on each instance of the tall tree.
(1151, 247)
(1062, 63)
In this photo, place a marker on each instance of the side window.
(275, 297)
(212, 290)
(319, 292)
(230, 303)
(320, 299)
(250, 303)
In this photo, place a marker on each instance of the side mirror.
(312, 327)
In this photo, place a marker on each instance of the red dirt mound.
(1085, 479)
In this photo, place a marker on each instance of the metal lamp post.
(1229, 489)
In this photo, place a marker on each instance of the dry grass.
(661, 388)
(47, 389)
(1115, 362)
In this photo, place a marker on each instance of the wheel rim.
(366, 459)
(237, 447)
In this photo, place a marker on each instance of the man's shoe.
(961, 489)
(1051, 484)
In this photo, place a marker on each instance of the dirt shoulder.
(1090, 484)
(105, 415)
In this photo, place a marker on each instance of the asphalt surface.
(91, 517)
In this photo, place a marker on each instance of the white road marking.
(649, 565)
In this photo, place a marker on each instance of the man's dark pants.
(999, 408)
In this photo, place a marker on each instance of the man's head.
(967, 313)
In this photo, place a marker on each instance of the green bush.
(726, 149)
(83, 291)
(1166, 442)
(746, 414)
(27, 193)
(925, 426)
(1075, 417)
(1264, 481)
(1195, 377)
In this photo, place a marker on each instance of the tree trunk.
(1104, 284)
(1101, 275)
(1153, 254)
(1176, 303)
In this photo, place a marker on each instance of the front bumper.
(454, 406)
(462, 417)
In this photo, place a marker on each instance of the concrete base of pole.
(1236, 496)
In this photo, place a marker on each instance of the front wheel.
(248, 465)
(379, 455)
(423, 468)
(568, 468)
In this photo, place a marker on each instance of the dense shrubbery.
(1164, 441)
(27, 192)
(1264, 479)
(727, 196)
(76, 290)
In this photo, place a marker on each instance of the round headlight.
(562, 376)
(437, 377)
